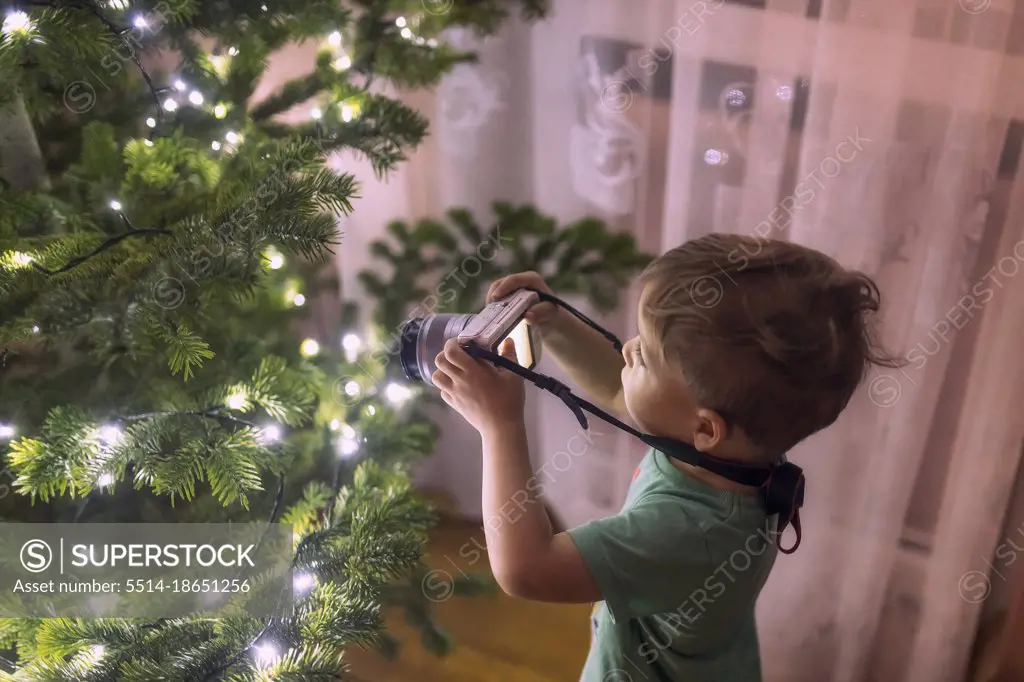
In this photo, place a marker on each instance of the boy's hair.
(772, 335)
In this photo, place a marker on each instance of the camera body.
(494, 323)
(423, 338)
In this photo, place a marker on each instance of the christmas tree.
(162, 232)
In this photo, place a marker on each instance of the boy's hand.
(540, 314)
(487, 396)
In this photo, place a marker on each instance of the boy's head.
(748, 346)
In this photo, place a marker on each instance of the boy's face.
(656, 395)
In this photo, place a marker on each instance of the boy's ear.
(711, 430)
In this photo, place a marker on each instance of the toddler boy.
(745, 347)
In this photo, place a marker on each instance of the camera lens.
(423, 338)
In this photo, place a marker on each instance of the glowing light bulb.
(715, 157)
(232, 137)
(348, 432)
(371, 410)
(432, 43)
(195, 97)
(6, 432)
(351, 343)
(400, 22)
(352, 388)
(16, 22)
(220, 111)
(397, 394)
(110, 434)
(219, 62)
(98, 650)
(406, 33)
(216, 145)
(309, 348)
(35, 329)
(303, 581)
(316, 114)
(299, 300)
(115, 205)
(275, 259)
(349, 447)
(342, 63)
(180, 86)
(151, 122)
(237, 400)
(271, 433)
(346, 113)
(20, 259)
(420, 41)
(265, 653)
(334, 39)
(105, 480)
(148, 143)
(170, 104)
(233, 51)
(335, 425)
(140, 22)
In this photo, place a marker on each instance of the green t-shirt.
(679, 569)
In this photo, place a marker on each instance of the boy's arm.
(527, 558)
(588, 358)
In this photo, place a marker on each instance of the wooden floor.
(497, 638)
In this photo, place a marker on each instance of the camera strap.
(781, 485)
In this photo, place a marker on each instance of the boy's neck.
(712, 479)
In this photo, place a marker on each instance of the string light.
(170, 104)
(195, 97)
(219, 62)
(346, 113)
(140, 22)
(6, 432)
(265, 653)
(216, 145)
(233, 51)
(117, 4)
(348, 432)
(151, 122)
(148, 143)
(371, 410)
(17, 22)
(351, 343)
(271, 433)
(35, 329)
(299, 300)
(309, 348)
(352, 389)
(110, 434)
(334, 39)
(335, 425)
(316, 114)
(21, 260)
(406, 33)
(105, 480)
(349, 447)
(342, 63)
(303, 582)
(432, 43)
(232, 137)
(275, 259)
(237, 400)
(400, 22)
(220, 111)
(397, 394)
(180, 86)
(115, 205)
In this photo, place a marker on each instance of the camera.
(423, 338)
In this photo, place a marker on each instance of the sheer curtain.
(887, 134)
